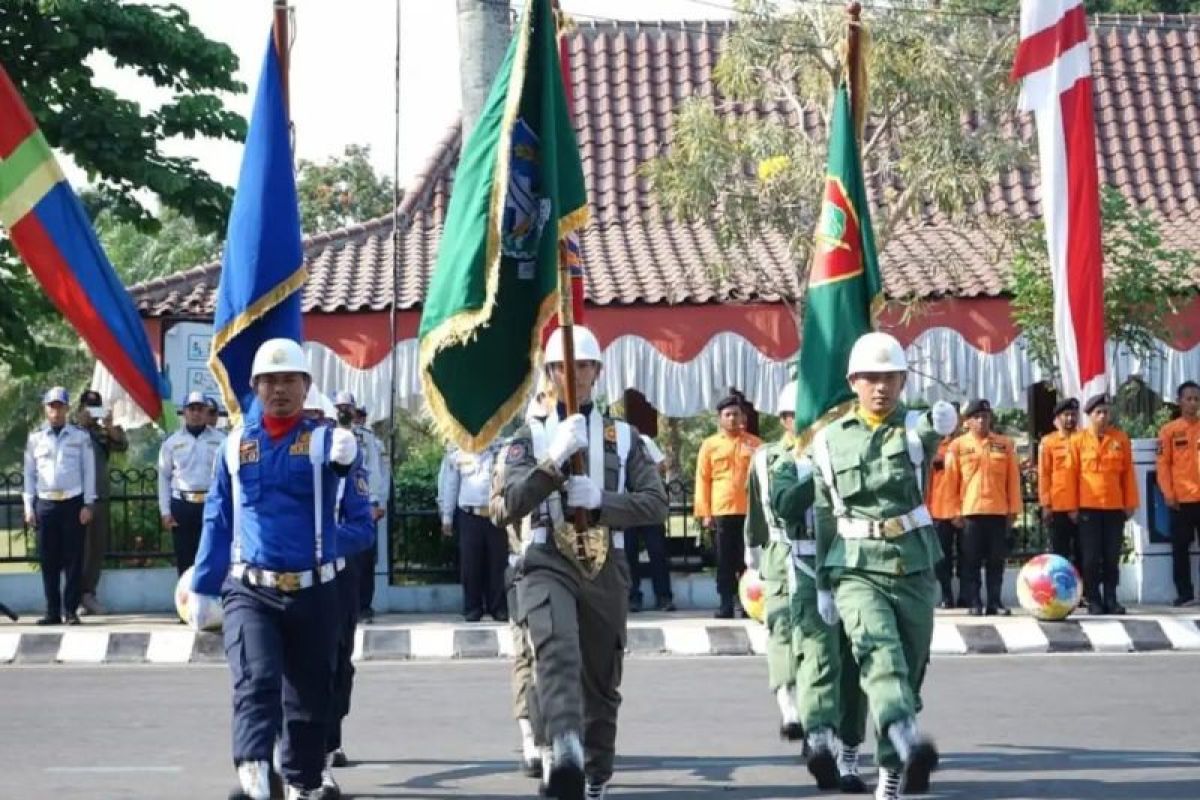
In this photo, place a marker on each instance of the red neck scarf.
(278, 427)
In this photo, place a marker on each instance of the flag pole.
(566, 322)
(282, 50)
(853, 65)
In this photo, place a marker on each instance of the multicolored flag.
(1055, 66)
(262, 270)
(518, 195)
(54, 236)
(844, 286)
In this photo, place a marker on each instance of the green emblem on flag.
(844, 287)
(518, 191)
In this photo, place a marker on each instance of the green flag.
(844, 288)
(518, 191)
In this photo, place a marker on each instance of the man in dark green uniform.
(769, 552)
(573, 587)
(877, 548)
(833, 708)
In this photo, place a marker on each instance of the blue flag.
(262, 271)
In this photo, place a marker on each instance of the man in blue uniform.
(270, 549)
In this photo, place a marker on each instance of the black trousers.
(1185, 529)
(365, 563)
(1101, 532)
(343, 668)
(185, 536)
(731, 555)
(950, 538)
(985, 544)
(1064, 539)
(60, 553)
(654, 537)
(482, 558)
(281, 649)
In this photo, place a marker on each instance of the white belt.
(779, 535)
(286, 581)
(855, 528)
(541, 536)
(189, 496)
(59, 494)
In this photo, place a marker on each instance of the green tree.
(342, 191)
(138, 256)
(1142, 283)
(46, 46)
(938, 84)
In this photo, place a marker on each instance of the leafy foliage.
(755, 172)
(342, 191)
(1143, 283)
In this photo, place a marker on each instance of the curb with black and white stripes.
(1015, 636)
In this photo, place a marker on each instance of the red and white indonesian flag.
(1054, 62)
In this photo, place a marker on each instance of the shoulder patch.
(361, 485)
(516, 452)
(248, 451)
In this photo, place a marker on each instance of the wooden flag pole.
(282, 49)
(853, 67)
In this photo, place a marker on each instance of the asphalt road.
(1052, 728)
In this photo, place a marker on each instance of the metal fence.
(418, 552)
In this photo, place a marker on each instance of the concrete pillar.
(483, 34)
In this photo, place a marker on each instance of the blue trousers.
(343, 670)
(281, 650)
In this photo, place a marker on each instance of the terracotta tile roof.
(628, 78)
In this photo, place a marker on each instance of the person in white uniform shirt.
(185, 474)
(59, 494)
(464, 492)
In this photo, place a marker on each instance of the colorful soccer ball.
(752, 594)
(1048, 587)
(181, 600)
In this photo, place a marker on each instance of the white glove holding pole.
(753, 557)
(204, 611)
(343, 447)
(569, 438)
(582, 492)
(827, 608)
(945, 418)
(804, 468)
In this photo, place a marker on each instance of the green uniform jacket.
(522, 484)
(876, 479)
(792, 494)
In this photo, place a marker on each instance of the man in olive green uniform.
(833, 708)
(877, 548)
(573, 588)
(768, 552)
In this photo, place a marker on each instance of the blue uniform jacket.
(278, 532)
(356, 526)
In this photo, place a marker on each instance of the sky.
(343, 72)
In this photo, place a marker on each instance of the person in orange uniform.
(942, 501)
(1058, 483)
(981, 468)
(1179, 480)
(1108, 496)
(722, 468)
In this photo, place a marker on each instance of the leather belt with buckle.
(856, 528)
(287, 582)
(478, 511)
(57, 494)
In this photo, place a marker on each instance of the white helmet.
(313, 400)
(787, 399)
(278, 355)
(587, 348)
(876, 352)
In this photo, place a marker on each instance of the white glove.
(945, 418)
(204, 611)
(753, 557)
(804, 468)
(827, 608)
(569, 438)
(343, 447)
(582, 492)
